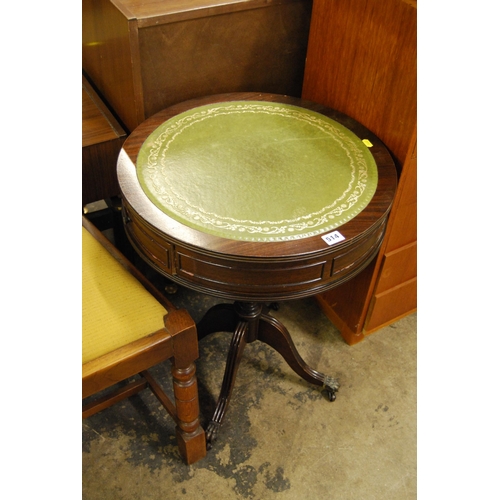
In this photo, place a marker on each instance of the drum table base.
(249, 321)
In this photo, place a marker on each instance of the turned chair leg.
(190, 435)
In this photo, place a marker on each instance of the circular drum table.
(255, 198)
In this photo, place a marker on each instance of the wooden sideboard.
(361, 60)
(145, 55)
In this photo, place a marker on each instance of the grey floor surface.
(282, 438)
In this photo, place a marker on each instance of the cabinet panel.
(391, 305)
(107, 56)
(403, 228)
(102, 138)
(397, 267)
(362, 61)
(225, 53)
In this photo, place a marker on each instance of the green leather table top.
(257, 171)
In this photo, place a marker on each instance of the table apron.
(248, 279)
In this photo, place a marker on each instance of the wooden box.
(102, 139)
(144, 55)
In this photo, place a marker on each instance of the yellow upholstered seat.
(117, 309)
(127, 328)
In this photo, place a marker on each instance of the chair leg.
(190, 435)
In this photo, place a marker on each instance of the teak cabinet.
(145, 55)
(361, 60)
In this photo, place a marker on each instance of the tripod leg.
(274, 333)
(238, 343)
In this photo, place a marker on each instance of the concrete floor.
(281, 439)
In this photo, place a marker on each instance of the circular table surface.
(257, 171)
(254, 196)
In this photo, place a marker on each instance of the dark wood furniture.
(144, 55)
(361, 60)
(116, 348)
(250, 271)
(102, 138)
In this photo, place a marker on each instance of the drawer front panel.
(391, 305)
(398, 267)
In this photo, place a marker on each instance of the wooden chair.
(128, 327)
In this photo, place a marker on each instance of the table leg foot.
(331, 386)
(275, 334)
(211, 433)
